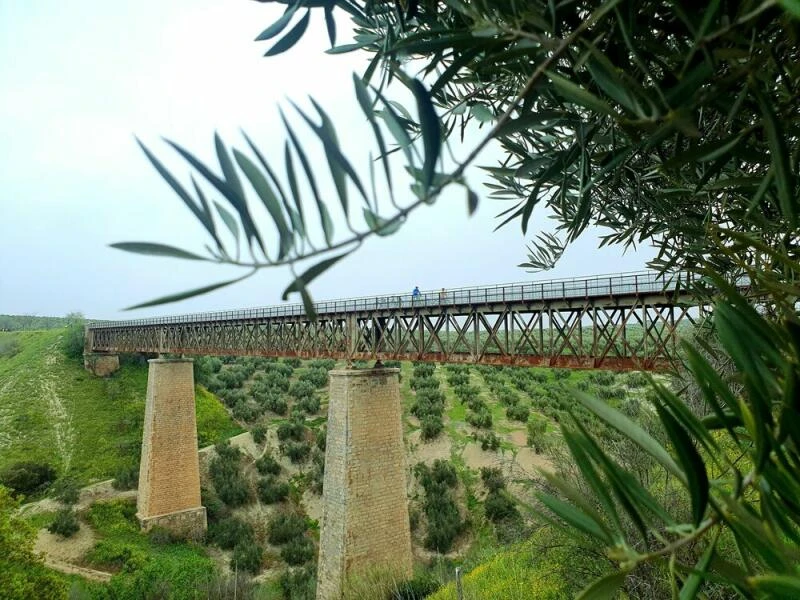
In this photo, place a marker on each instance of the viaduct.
(620, 322)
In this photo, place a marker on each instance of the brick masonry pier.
(169, 475)
(365, 528)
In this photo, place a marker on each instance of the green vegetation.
(22, 574)
(145, 567)
(60, 417)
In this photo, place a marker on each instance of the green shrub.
(117, 554)
(266, 465)
(293, 362)
(419, 587)
(72, 342)
(298, 584)
(247, 556)
(65, 523)
(284, 527)
(481, 419)
(322, 437)
(215, 508)
(489, 441)
(316, 376)
(520, 412)
(271, 490)
(302, 389)
(296, 451)
(259, 433)
(325, 364)
(298, 551)
(293, 429)
(10, 347)
(67, 490)
(602, 377)
(444, 519)
(161, 536)
(229, 532)
(493, 479)
(499, 506)
(432, 425)
(636, 379)
(536, 430)
(309, 404)
(225, 472)
(562, 373)
(244, 410)
(27, 478)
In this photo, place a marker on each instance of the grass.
(145, 568)
(53, 411)
(518, 573)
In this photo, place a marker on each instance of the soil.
(427, 451)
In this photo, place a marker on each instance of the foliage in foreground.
(22, 573)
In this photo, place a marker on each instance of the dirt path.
(57, 410)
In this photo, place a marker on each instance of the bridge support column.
(169, 474)
(365, 528)
(101, 364)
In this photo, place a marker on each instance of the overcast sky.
(78, 80)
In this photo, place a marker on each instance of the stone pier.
(101, 364)
(169, 475)
(365, 528)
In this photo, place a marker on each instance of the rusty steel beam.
(616, 326)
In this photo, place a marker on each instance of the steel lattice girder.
(621, 332)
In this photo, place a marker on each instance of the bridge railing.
(644, 282)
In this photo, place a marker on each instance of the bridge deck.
(622, 321)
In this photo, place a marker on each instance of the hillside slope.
(52, 411)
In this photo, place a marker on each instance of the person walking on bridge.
(415, 294)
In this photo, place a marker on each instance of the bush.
(636, 379)
(230, 485)
(562, 373)
(326, 364)
(229, 532)
(296, 451)
(432, 425)
(73, 340)
(65, 524)
(247, 557)
(266, 465)
(67, 490)
(493, 479)
(309, 404)
(489, 441)
(215, 508)
(10, 347)
(284, 527)
(28, 478)
(301, 389)
(245, 411)
(499, 506)
(293, 362)
(298, 551)
(322, 438)
(259, 433)
(316, 376)
(602, 377)
(536, 430)
(520, 412)
(481, 419)
(298, 584)
(271, 490)
(419, 587)
(117, 555)
(293, 429)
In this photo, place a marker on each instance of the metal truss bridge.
(622, 321)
